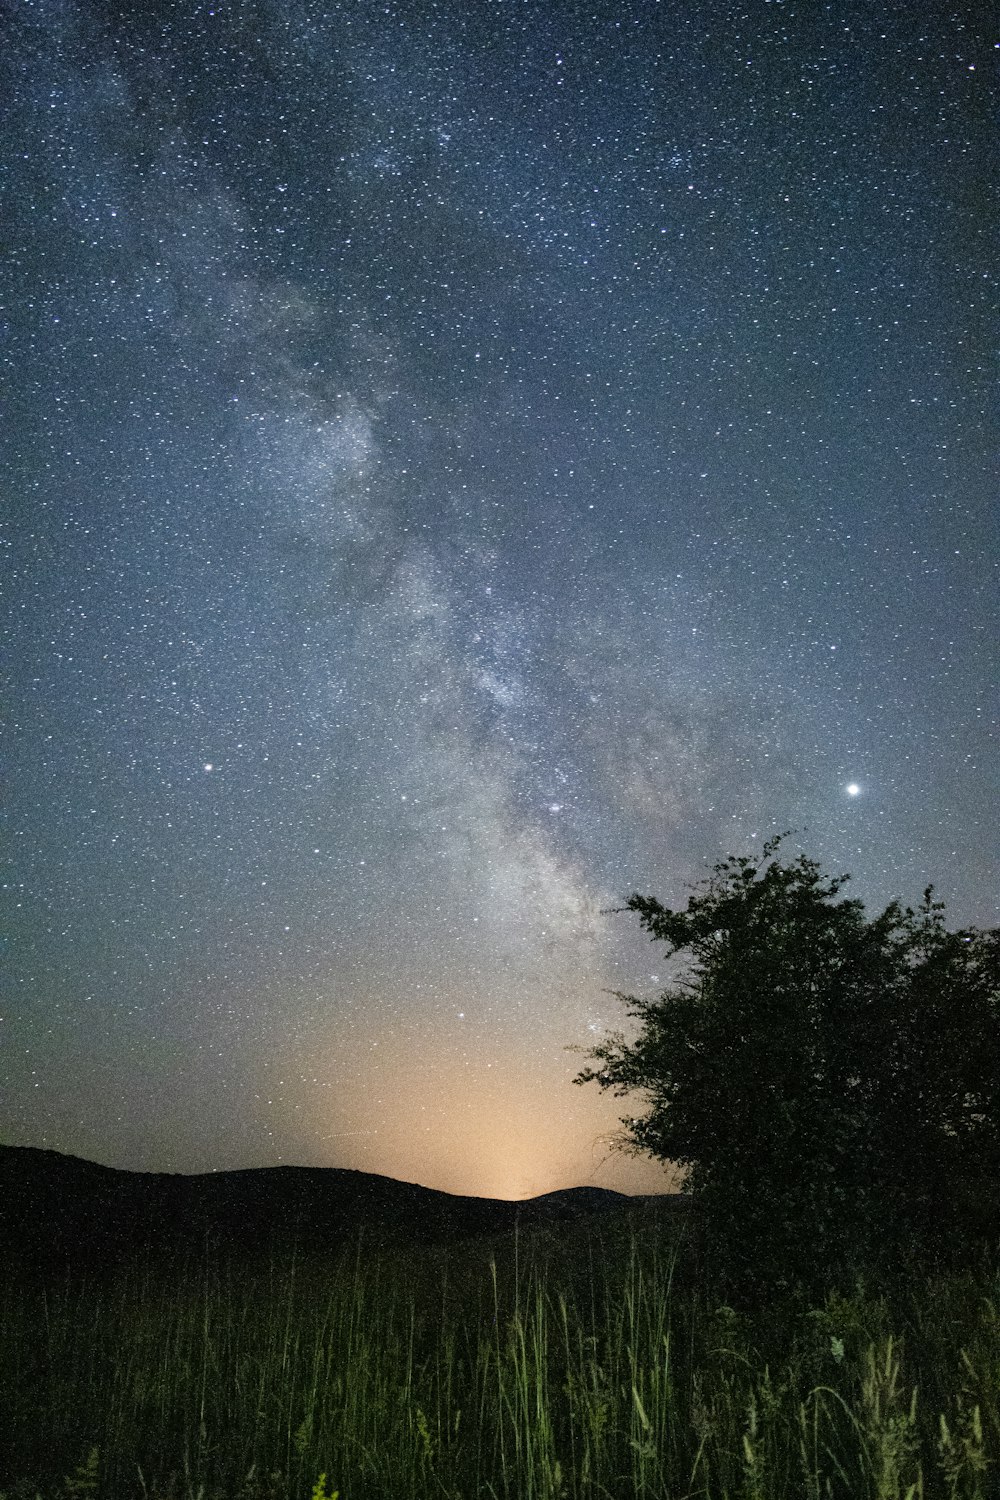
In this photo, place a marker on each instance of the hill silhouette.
(57, 1209)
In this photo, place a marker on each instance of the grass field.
(586, 1364)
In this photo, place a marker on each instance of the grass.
(586, 1367)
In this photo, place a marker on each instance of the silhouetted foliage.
(830, 1082)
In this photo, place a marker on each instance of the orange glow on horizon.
(494, 1129)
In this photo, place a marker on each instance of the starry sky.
(464, 463)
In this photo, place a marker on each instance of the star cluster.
(462, 464)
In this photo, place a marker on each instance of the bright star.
(853, 789)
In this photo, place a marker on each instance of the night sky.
(463, 463)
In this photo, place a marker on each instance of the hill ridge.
(54, 1206)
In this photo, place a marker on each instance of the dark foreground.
(567, 1350)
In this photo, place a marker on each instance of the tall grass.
(589, 1369)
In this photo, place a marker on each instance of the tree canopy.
(829, 1082)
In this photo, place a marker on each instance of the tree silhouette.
(830, 1083)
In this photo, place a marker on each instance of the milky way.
(463, 464)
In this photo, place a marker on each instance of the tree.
(830, 1083)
